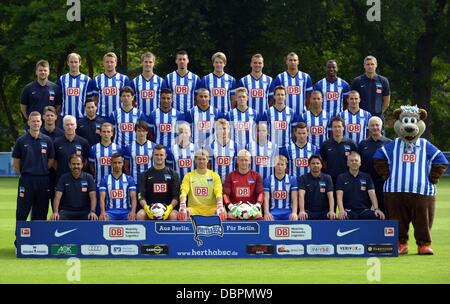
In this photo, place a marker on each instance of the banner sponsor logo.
(25, 232)
(387, 249)
(124, 250)
(64, 249)
(155, 249)
(124, 232)
(322, 249)
(294, 232)
(40, 249)
(291, 249)
(94, 250)
(353, 249)
(260, 249)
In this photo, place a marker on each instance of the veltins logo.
(25, 232)
(295, 232)
(124, 232)
(323, 249)
(40, 249)
(124, 250)
(351, 249)
(389, 231)
(94, 250)
(292, 249)
(64, 249)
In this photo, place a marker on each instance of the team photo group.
(259, 148)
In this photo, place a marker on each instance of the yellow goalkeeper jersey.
(201, 191)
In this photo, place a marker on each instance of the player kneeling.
(159, 189)
(243, 190)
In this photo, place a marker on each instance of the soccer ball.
(158, 210)
(244, 209)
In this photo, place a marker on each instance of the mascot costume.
(411, 166)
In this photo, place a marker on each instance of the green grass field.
(407, 269)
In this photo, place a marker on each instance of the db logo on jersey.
(257, 93)
(316, 130)
(160, 188)
(280, 194)
(243, 191)
(242, 125)
(165, 128)
(332, 96)
(184, 163)
(262, 161)
(223, 160)
(142, 159)
(280, 125)
(147, 94)
(201, 191)
(408, 157)
(110, 91)
(293, 90)
(301, 162)
(204, 125)
(218, 92)
(117, 194)
(127, 127)
(181, 90)
(105, 160)
(354, 128)
(73, 91)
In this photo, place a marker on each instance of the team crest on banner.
(206, 226)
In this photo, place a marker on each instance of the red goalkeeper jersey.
(243, 187)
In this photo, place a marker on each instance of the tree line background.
(411, 43)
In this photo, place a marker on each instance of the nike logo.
(341, 234)
(60, 234)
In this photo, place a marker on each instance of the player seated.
(243, 190)
(202, 188)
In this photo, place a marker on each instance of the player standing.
(181, 155)
(263, 151)
(89, 126)
(317, 120)
(356, 120)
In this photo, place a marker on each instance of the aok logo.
(73, 91)
(282, 232)
(116, 232)
(142, 159)
(181, 89)
(160, 188)
(301, 162)
(332, 96)
(294, 90)
(221, 92)
(256, 93)
(201, 191)
(117, 194)
(110, 91)
(204, 125)
(280, 125)
(127, 127)
(165, 128)
(184, 163)
(408, 157)
(280, 195)
(223, 160)
(262, 161)
(105, 161)
(147, 94)
(317, 130)
(242, 191)
(354, 128)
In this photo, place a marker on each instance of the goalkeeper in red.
(202, 189)
(241, 187)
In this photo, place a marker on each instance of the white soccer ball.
(244, 209)
(158, 210)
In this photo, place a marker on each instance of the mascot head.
(409, 124)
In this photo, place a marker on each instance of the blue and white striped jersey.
(100, 157)
(333, 95)
(74, 92)
(258, 91)
(243, 125)
(147, 92)
(297, 88)
(183, 90)
(140, 158)
(280, 125)
(223, 158)
(118, 191)
(280, 193)
(220, 89)
(164, 126)
(356, 125)
(109, 92)
(181, 159)
(263, 157)
(410, 167)
(298, 157)
(124, 125)
(318, 126)
(202, 124)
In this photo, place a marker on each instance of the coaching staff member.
(33, 155)
(75, 197)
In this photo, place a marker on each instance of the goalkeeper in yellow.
(202, 190)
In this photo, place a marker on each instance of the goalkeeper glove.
(255, 210)
(148, 211)
(234, 209)
(167, 212)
